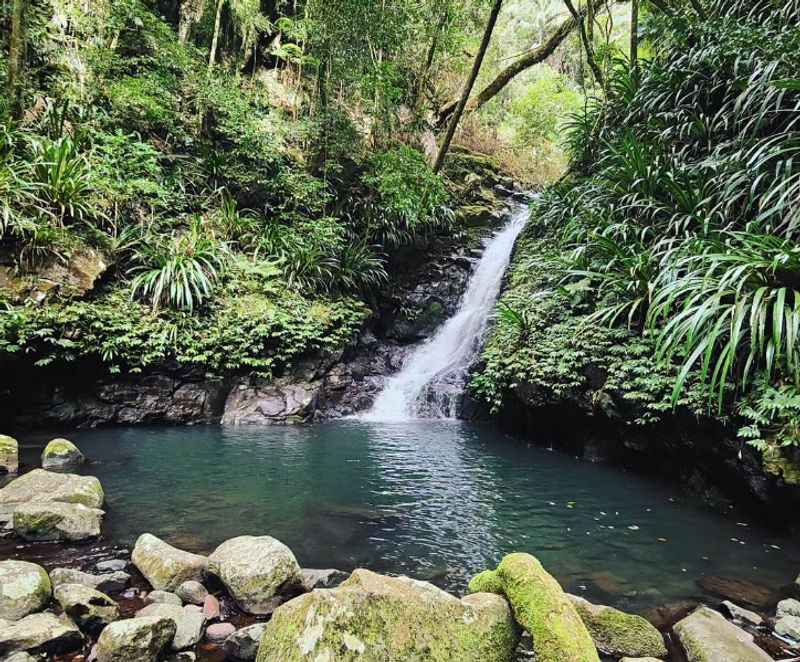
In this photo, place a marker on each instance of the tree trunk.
(423, 76)
(587, 45)
(473, 75)
(526, 62)
(16, 57)
(634, 35)
(189, 12)
(215, 39)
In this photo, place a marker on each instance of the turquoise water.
(434, 500)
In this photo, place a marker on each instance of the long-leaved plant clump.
(683, 211)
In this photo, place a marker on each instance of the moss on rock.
(60, 453)
(9, 454)
(542, 608)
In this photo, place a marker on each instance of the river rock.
(618, 634)
(91, 610)
(24, 589)
(44, 486)
(706, 636)
(192, 592)
(50, 521)
(219, 632)
(163, 598)
(211, 608)
(788, 607)
(110, 582)
(188, 623)
(164, 566)
(541, 607)
(254, 569)
(739, 591)
(741, 614)
(41, 633)
(788, 626)
(112, 565)
(243, 644)
(61, 454)
(9, 454)
(374, 618)
(328, 578)
(20, 657)
(141, 639)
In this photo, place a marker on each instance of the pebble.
(210, 608)
(113, 565)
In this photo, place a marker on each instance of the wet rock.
(24, 589)
(329, 578)
(110, 582)
(163, 598)
(141, 639)
(541, 607)
(739, 591)
(368, 618)
(618, 634)
(113, 565)
(740, 613)
(45, 486)
(9, 454)
(788, 607)
(91, 610)
(261, 402)
(188, 623)
(706, 636)
(788, 626)
(219, 632)
(210, 608)
(254, 569)
(192, 592)
(51, 521)
(243, 644)
(41, 633)
(164, 566)
(19, 657)
(60, 454)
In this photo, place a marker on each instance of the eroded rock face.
(706, 636)
(91, 610)
(188, 623)
(42, 486)
(373, 618)
(51, 521)
(618, 634)
(141, 639)
(41, 633)
(24, 589)
(278, 402)
(60, 454)
(541, 607)
(164, 566)
(9, 454)
(254, 569)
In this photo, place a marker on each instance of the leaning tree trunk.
(634, 36)
(16, 57)
(476, 67)
(587, 44)
(215, 39)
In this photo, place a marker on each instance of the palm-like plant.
(64, 179)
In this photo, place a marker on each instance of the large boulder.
(41, 633)
(243, 644)
(108, 582)
(9, 454)
(541, 607)
(275, 402)
(706, 636)
(49, 521)
(254, 569)
(188, 623)
(24, 589)
(372, 618)
(60, 454)
(40, 485)
(91, 610)
(164, 566)
(141, 639)
(618, 634)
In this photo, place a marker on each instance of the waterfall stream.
(433, 378)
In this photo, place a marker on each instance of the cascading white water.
(433, 377)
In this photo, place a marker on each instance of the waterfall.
(433, 378)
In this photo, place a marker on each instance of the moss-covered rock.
(706, 636)
(51, 521)
(541, 607)
(42, 486)
(373, 618)
(60, 454)
(41, 633)
(254, 569)
(9, 454)
(619, 634)
(24, 588)
(164, 566)
(91, 610)
(141, 639)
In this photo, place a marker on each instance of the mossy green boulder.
(61, 454)
(618, 634)
(140, 639)
(41, 486)
(373, 618)
(54, 521)
(706, 636)
(541, 607)
(164, 566)
(24, 588)
(9, 454)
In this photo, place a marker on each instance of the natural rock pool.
(437, 500)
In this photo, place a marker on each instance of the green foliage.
(538, 113)
(773, 416)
